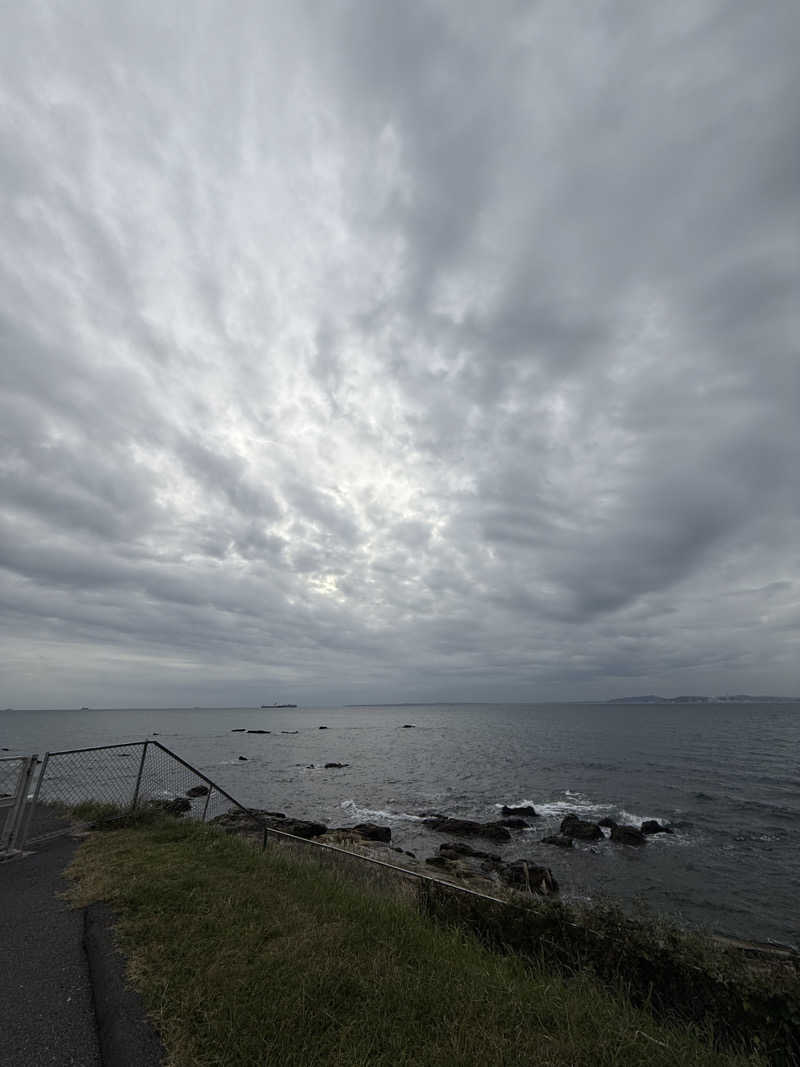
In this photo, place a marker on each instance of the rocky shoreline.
(455, 860)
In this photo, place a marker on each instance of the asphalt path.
(63, 999)
(45, 992)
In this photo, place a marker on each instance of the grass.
(246, 959)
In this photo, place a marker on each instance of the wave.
(584, 807)
(355, 812)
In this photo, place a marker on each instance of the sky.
(357, 352)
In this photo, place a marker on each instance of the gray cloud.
(398, 353)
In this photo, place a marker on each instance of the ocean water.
(727, 776)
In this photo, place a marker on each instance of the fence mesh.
(137, 774)
(169, 780)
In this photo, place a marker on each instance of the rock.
(515, 823)
(558, 839)
(372, 832)
(627, 835)
(198, 791)
(176, 806)
(607, 822)
(453, 849)
(469, 828)
(653, 826)
(409, 726)
(243, 758)
(572, 826)
(431, 815)
(523, 809)
(290, 731)
(439, 861)
(323, 727)
(299, 827)
(235, 730)
(258, 731)
(327, 765)
(523, 874)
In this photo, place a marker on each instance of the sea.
(725, 776)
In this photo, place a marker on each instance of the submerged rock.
(470, 828)
(327, 765)
(454, 849)
(653, 826)
(515, 823)
(627, 835)
(572, 826)
(561, 840)
(522, 809)
(258, 731)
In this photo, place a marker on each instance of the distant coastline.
(738, 698)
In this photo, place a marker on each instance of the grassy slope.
(246, 959)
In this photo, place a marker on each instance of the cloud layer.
(384, 352)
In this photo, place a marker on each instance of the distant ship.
(267, 706)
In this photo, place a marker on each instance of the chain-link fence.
(117, 779)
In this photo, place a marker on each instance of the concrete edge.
(125, 1035)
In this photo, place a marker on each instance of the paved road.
(46, 1003)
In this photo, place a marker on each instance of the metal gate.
(16, 773)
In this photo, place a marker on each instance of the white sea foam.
(355, 812)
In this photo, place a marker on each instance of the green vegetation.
(246, 958)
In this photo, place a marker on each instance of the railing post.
(139, 777)
(205, 806)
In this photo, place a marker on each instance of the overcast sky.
(378, 351)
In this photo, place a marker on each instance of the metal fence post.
(30, 807)
(139, 777)
(205, 806)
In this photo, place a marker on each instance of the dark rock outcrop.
(653, 826)
(515, 823)
(235, 730)
(372, 832)
(243, 759)
(198, 791)
(258, 731)
(523, 809)
(607, 822)
(572, 826)
(494, 831)
(558, 839)
(409, 726)
(327, 765)
(323, 727)
(529, 876)
(298, 827)
(627, 835)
